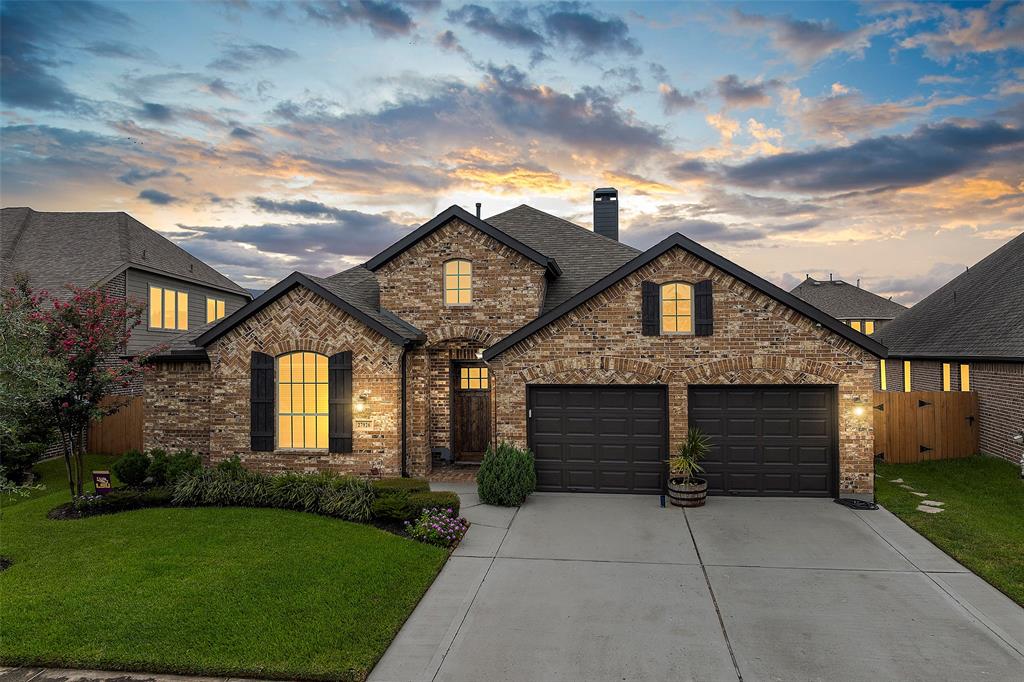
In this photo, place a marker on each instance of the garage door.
(602, 439)
(768, 440)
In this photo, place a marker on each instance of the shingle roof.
(979, 314)
(845, 301)
(583, 255)
(358, 286)
(84, 249)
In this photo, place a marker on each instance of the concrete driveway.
(613, 587)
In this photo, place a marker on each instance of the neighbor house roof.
(445, 217)
(977, 315)
(678, 240)
(845, 301)
(88, 249)
(583, 255)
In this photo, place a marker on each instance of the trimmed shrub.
(132, 468)
(159, 466)
(183, 462)
(388, 486)
(507, 476)
(441, 499)
(394, 506)
(117, 500)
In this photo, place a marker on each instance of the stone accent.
(756, 340)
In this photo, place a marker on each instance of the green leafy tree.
(86, 334)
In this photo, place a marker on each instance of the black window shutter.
(261, 402)
(339, 390)
(704, 322)
(650, 302)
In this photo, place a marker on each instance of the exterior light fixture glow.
(859, 411)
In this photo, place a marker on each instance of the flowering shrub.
(442, 527)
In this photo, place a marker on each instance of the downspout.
(405, 449)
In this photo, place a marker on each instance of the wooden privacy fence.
(120, 431)
(924, 425)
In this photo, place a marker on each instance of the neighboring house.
(864, 311)
(969, 336)
(124, 257)
(527, 328)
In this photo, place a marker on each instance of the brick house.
(861, 309)
(968, 336)
(529, 328)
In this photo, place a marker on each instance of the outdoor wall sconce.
(361, 401)
(858, 410)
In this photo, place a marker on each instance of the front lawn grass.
(215, 591)
(980, 525)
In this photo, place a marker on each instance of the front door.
(471, 411)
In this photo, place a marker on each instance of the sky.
(882, 142)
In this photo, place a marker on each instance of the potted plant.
(684, 488)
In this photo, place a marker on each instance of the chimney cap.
(606, 192)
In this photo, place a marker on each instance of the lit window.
(869, 327)
(881, 367)
(906, 376)
(302, 401)
(168, 309)
(965, 377)
(945, 376)
(458, 282)
(676, 308)
(855, 324)
(474, 378)
(214, 309)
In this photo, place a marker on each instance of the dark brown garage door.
(602, 439)
(768, 440)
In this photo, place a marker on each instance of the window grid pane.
(458, 276)
(945, 376)
(965, 377)
(156, 307)
(474, 378)
(303, 404)
(169, 316)
(676, 308)
(182, 310)
(869, 327)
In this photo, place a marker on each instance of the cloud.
(158, 198)
(119, 49)
(588, 33)
(151, 111)
(806, 42)
(30, 35)
(512, 28)
(240, 133)
(929, 153)
(673, 101)
(245, 56)
(220, 88)
(384, 19)
(845, 111)
(995, 28)
(691, 169)
(301, 207)
(449, 42)
(136, 175)
(941, 79)
(737, 93)
(315, 245)
(910, 290)
(646, 230)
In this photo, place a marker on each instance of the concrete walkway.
(613, 587)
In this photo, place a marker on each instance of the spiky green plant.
(690, 451)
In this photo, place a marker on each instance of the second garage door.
(607, 439)
(768, 440)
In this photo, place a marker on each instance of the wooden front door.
(471, 411)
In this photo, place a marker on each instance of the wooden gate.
(119, 432)
(924, 425)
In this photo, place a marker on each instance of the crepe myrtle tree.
(86, 334)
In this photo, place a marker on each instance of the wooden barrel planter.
(684, 492)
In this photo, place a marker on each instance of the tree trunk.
(66, 446)
(80, 460)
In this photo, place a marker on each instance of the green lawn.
(981, 525)
(253, 592)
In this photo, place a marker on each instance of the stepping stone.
(914, 492)
(907, 487)
(932, 503)
(928, 510)
(896, 480)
